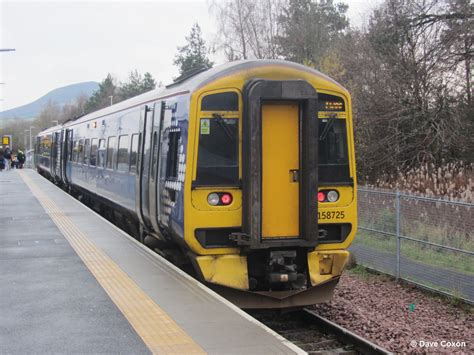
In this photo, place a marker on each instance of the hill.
(61, 96)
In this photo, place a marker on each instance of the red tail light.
(321, 196)
(226, 199)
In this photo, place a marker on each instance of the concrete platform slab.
(72, 282)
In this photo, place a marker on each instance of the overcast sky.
(65, 42)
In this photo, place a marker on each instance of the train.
(244, 172)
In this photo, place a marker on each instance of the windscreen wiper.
(328, 126)
(224, 126)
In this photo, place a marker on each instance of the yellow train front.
(270, 189)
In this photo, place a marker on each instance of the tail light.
(226, 199)
(321, 196)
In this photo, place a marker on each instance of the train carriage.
(246, 170)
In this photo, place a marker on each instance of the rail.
(315, 334)
(344, 335)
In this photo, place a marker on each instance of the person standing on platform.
(13, 160)
(2, 161)
(21, 159)
(7, 156)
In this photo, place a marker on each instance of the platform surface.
(71, 282)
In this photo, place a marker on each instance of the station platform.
(71, 282)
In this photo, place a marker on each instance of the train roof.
(51, 129)
(195, 82)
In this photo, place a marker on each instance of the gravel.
(395, 315)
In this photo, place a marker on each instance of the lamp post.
(30, 137)
(2, 84)
(111, 100)
(25, 134)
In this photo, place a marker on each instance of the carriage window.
(87, 151)
(70, 146)
(93, 152)
(122, 156)
(101, 154)
(224, 101)
(110, 152)
(172, 160)
(75, 151)
(154, 154)
(81, 151)
(218, 157)
(134, 152)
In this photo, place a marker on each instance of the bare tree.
(248, 29)
(405, 88)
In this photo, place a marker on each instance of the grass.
(454, 180)
(366, 272)
(418, 252)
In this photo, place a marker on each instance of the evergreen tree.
(136, 85)
(310, 28)
(101, 97)
(194, 53)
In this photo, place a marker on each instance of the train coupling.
(282, 269)
(240, 238)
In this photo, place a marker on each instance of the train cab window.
(333, 151)
(110, 152)
(172, 160)
(93, 157)
(223, 101)
(134, 153)
(101, 154)
(81, 151)
(87, 151)
(218, 157)
(122, 155)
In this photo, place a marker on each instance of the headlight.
(213, 199)
(332, 196)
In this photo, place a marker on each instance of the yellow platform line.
(157, 329)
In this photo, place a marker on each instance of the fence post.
(397, 202)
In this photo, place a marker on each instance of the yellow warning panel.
(280, 171)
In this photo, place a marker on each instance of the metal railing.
(423, 240)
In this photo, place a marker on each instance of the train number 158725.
(331, 215)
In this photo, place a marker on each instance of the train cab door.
(60, 158)
(280, 170)
(67, 154)
(154, 187)
(49, 161)
(56, 155)
(279, 163)
(143, 201)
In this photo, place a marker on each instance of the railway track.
(317, 335)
